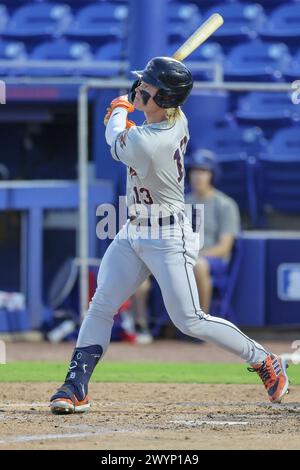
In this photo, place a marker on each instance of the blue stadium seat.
(205, 110)
(279, 173)
(236, 148)
(183, 19)
(3, 18)
(234, 181)
(257, 61)
(270, 3)
(224, 285)
(11, 50)
(241, 21)
(14, 3)
(203, 3)
(18, 3)
(71, 3)
(38, 22)
(100, 23)
(74, 4)
(60, 49)
(116, 50)
(292, 71)
(283, 24)
(286, 144)
(235, 140)
(267, 109)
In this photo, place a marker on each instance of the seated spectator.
(221, 222)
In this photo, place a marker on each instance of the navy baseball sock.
(83, 362)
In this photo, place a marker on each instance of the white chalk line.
(79, 435)
(130, 403)
(23, 405)
(286, 406)
(197, 422)
(45, 437)
(267, 405)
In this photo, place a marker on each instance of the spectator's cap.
(204, 159)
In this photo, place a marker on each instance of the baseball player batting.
(154, 156)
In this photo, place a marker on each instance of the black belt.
(160, 220)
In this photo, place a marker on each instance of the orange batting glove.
(122, 102)
(129, 123)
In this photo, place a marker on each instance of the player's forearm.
(115, 125)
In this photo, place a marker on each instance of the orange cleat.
(68, 403)
(274, 377)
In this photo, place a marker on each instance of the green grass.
(139, 372)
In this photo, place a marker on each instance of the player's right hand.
(122, 102)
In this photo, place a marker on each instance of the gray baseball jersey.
(154, 155)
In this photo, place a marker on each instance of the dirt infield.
(151, 416)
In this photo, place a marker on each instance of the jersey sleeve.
(134, 148)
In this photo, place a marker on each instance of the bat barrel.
(208, 28)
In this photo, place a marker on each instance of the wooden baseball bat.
(204, 31)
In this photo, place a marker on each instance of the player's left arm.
(115, 125)
(116, 117)
(131, 145)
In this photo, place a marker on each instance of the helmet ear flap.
(161, 99)
(131, 94)
(169, 99)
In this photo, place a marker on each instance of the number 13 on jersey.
(178, 157)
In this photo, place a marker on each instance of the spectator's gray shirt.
(221, 216)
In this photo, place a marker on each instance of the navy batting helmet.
(172, 78)
(204, 159)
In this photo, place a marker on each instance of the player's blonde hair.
(173, 113)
